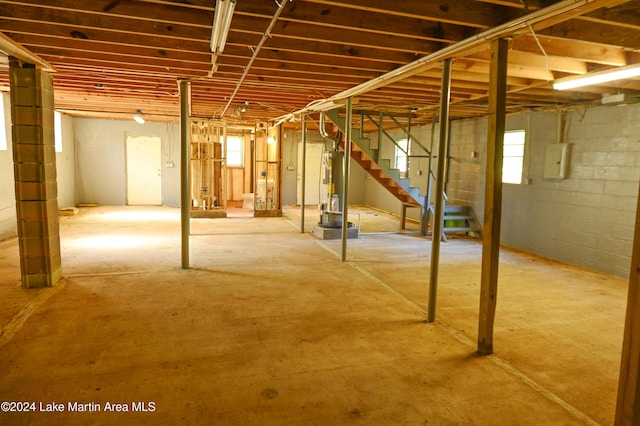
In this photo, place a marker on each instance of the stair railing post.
(438, 221)
(380, 134)
(408, 148)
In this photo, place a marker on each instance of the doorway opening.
(144, 176)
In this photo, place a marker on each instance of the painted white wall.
(100, 159)
(8, 223)
(65, 165)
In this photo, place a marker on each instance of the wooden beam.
(322, 48)
(466, 12)
(596, 32)
(318, 31)
(11, 48)
(130, 53)
(493, 195)
(342, 15)
(529, 59)
(628, 404)
(137, 10)
(31, 19)
(584, 51)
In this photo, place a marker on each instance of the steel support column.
(303, 171)
(436, 234)
(345, 182)
(185, 193)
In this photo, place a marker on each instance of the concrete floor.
(270, 328)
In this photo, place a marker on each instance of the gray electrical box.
(556, 161)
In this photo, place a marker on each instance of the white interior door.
(144, 180)
(312, 182)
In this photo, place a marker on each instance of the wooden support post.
(628, 405)
(493, 195)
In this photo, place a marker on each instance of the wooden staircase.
(457, 219)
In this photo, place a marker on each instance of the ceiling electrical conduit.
(265, 36)
(563, 7)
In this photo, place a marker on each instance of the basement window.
(235, 151)
(3, 130)
(57, 125)
(402, 153)
(513, 156)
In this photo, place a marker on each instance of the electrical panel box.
(556, 161)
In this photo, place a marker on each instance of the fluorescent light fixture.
(598, 77)
(138, 117)
(221, 24)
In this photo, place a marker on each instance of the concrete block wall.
(467, 163)
(586, 219)
(36, 188)
(65, 163)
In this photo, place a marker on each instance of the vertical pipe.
(303, 171)
(408, 160)
(438, 214)
(345, 180)
(185, 198)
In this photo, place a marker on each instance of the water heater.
(331, 197)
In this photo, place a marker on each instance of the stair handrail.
(381, 129)
(408, 133)
(405, 131)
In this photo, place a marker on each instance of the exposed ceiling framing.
(113, 57)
